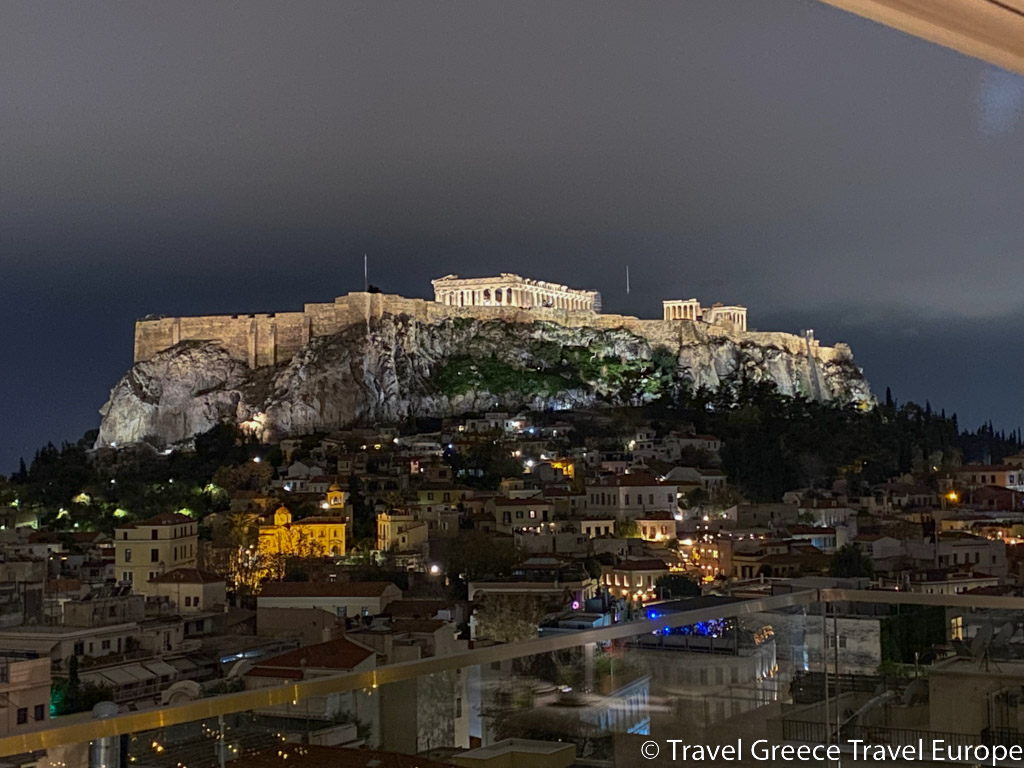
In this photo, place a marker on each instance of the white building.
(190, 589)
(628, 497)
(58, 643)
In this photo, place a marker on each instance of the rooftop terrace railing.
(803, 607)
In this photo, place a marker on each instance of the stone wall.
(272, 338)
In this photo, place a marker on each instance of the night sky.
(205, 158)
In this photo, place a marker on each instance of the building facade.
(152, 547)
(190, 590)
(318, 536)
(628, 497)
(24, 693)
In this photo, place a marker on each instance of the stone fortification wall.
(268, 339)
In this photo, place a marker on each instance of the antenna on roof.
(366, 274)
(627, 279)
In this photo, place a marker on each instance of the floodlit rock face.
(391, 367)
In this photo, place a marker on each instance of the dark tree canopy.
(851, 561)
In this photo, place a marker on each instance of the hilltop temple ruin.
(512, 291)
(262, 339)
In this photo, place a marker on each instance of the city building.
(24, 693)
(636, 579)
(190, 590)
(1003, 475)
(317, 536)
(628, 497)
(342, 598)
(152, 547)
(401, 532)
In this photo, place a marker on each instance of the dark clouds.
(213, 157)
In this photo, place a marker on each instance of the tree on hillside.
(477, 554)
(243, 528)
(850, 561)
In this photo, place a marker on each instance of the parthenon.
(511, 290)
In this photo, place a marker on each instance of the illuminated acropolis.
(271, 338)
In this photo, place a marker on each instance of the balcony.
(812, 667)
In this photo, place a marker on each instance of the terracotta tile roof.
(628, 481)
(43, 537)
(988, 468)
(397, 626)
(88, 537)
(651, 564)
(166, 518)
(558, 493)
(63, 585)
(804, 530)
(656, 515)
(320, 520)
(187, 576)
(326, 588)
(534, 501)
(416, 609)
(335, 654)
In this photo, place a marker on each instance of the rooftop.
(627, 481)
(166, 518)
(334, 654)
(326, 588)
(416, 609)
(650, 564)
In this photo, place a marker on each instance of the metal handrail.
(76, 729)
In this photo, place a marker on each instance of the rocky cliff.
(395, 366)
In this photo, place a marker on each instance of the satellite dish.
(238, 669)
(981, 642)
(1005, 633)
(181, 692)
(873, 703)
(918, 687)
